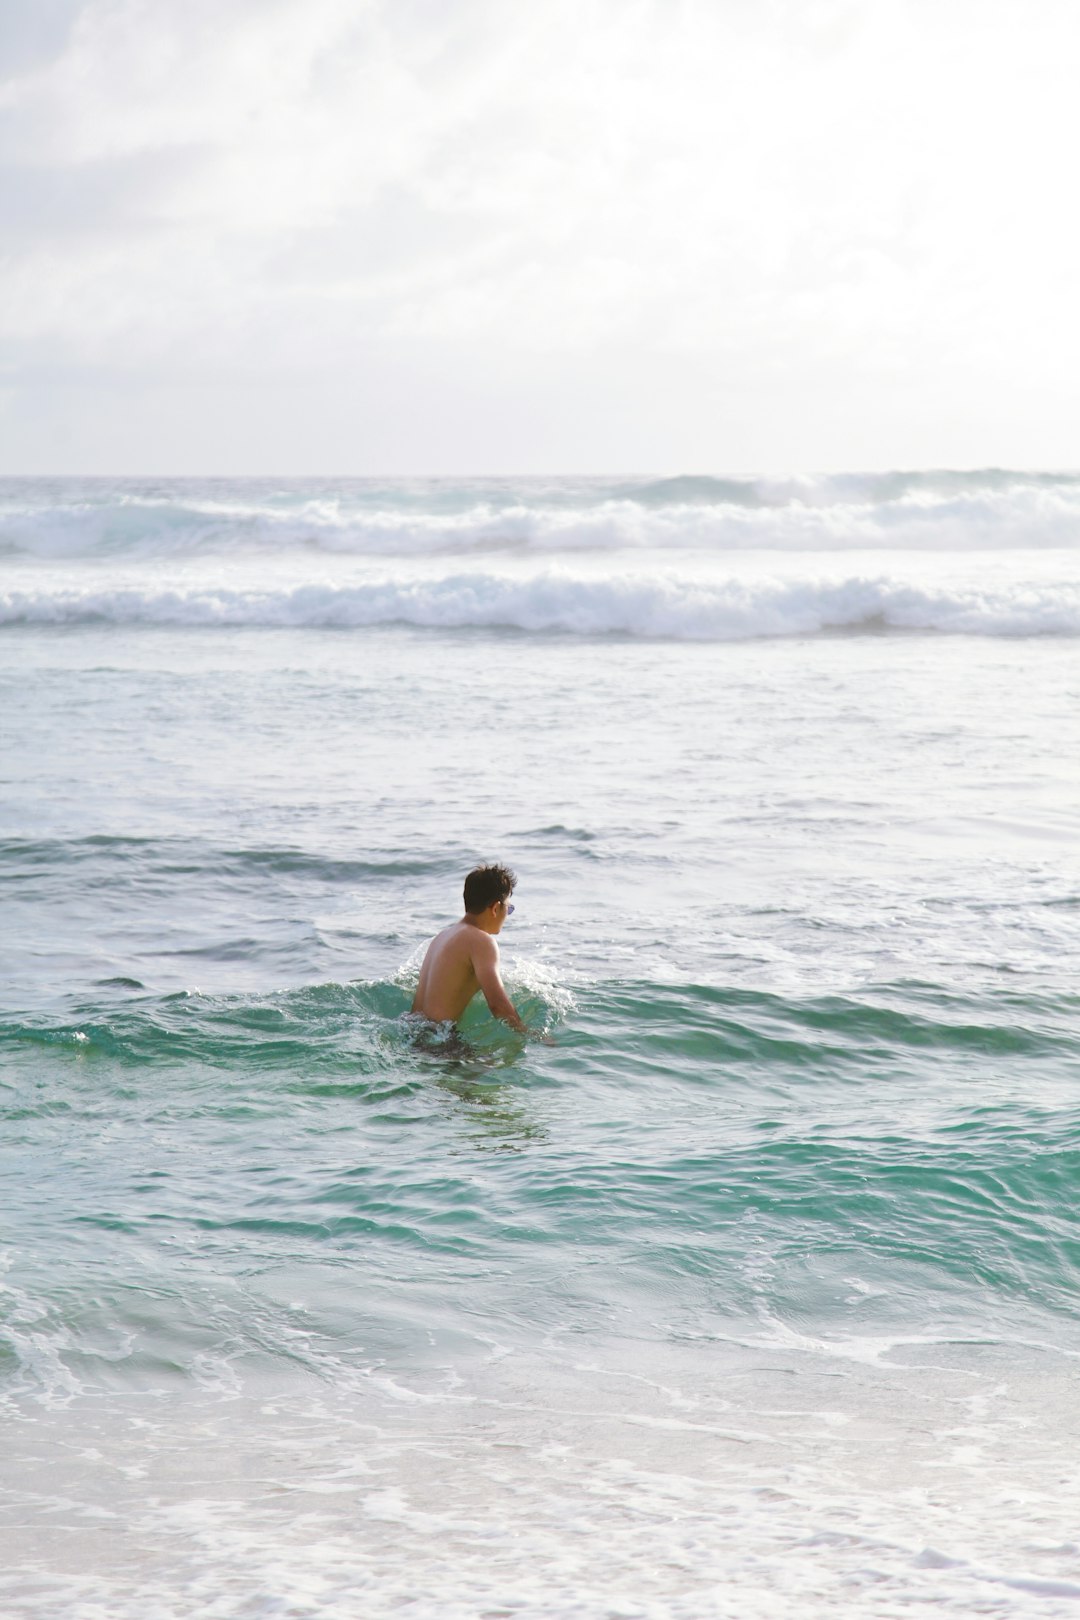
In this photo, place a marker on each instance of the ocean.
(755, 1293)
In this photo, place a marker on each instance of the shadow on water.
(463, 1067)
(494, 1117)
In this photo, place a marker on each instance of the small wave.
(323, 1027)
(760, 1026)
(667, 605)
(351, 1029)
(22, 858)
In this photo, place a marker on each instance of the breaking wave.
(667, 605)
(941, 511)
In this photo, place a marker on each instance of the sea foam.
(419, 517)
(682, 606)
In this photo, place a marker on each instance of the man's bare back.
(464, 958)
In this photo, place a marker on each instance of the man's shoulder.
(461, 936)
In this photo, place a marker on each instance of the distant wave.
(35, 859)
(662, 605)
(941, 511)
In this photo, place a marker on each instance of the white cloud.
(797, 222)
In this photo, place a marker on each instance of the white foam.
(680, 605)
(927, 511)
(555, 1500)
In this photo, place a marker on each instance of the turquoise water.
(754, 1293)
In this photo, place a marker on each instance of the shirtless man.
(464, 958)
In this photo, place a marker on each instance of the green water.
(788, 1207)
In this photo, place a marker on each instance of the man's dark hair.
(485, 885)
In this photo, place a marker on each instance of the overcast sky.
(378, 236)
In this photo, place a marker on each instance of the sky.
(467, 236)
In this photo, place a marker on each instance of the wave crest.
(665, 605)
(992, 509)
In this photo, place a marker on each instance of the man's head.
(487, 894)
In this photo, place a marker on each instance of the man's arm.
(485, 960)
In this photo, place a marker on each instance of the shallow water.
(754, 1294)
